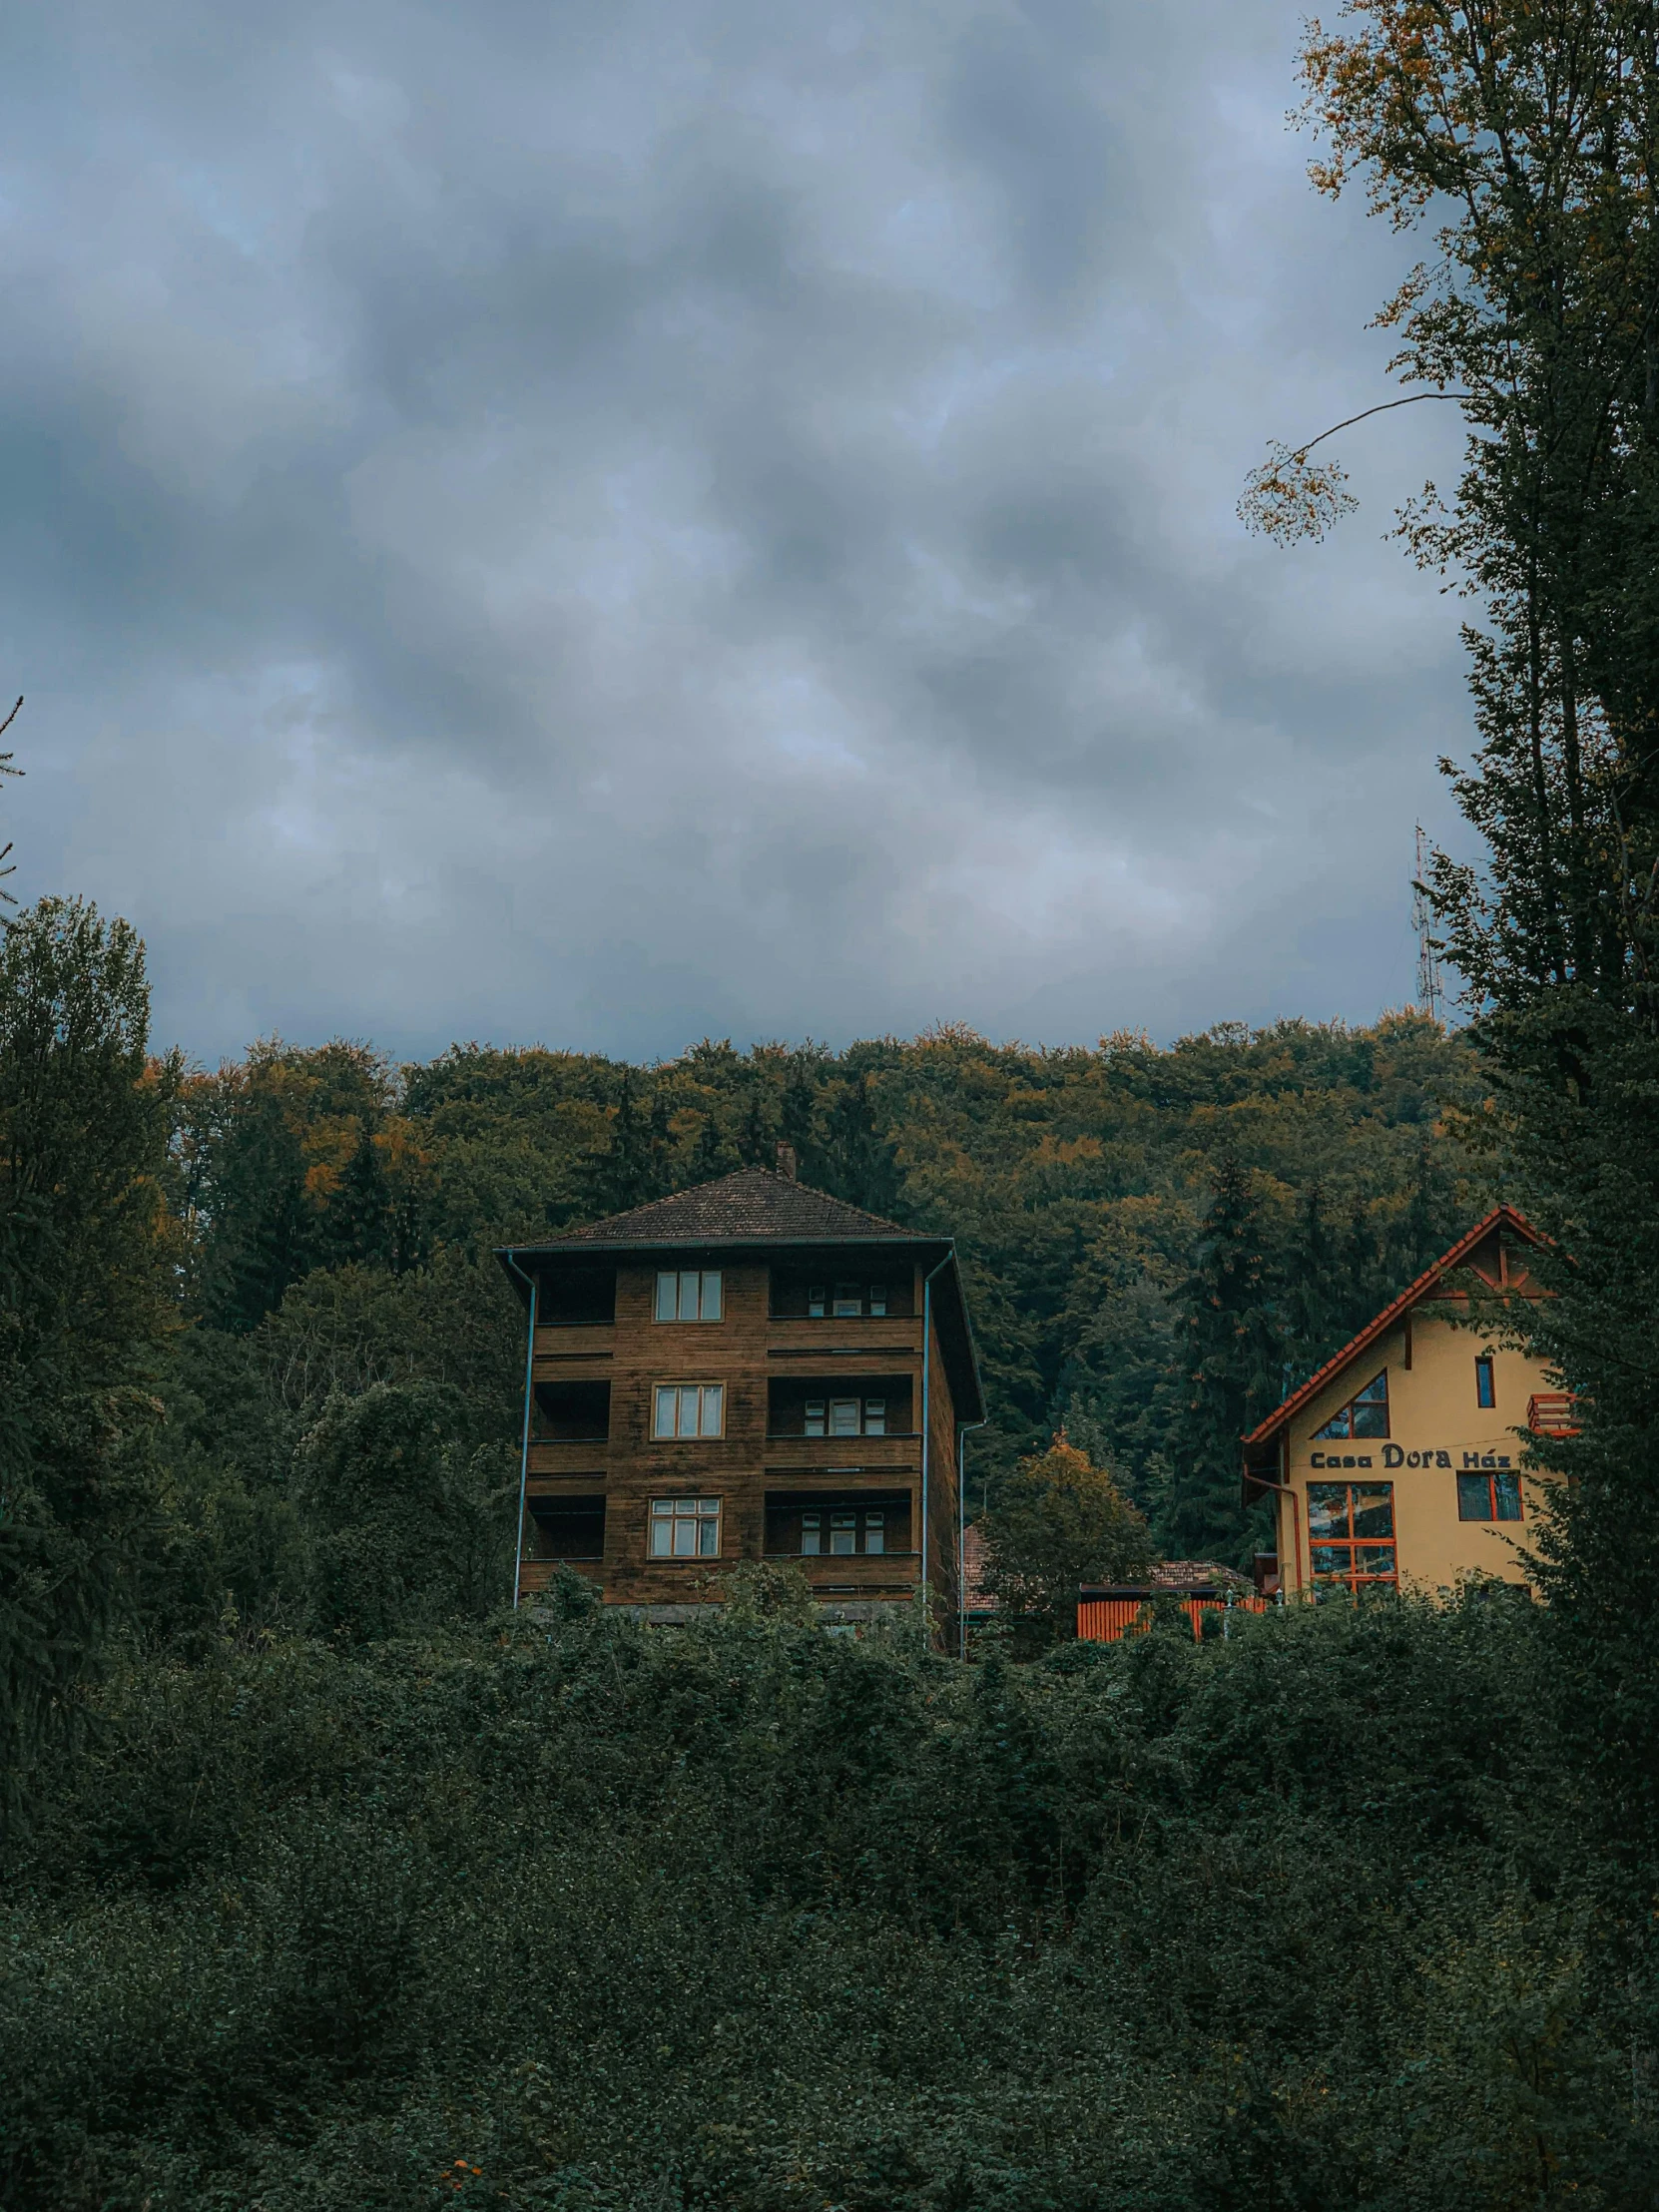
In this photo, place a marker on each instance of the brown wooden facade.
(820, 1359)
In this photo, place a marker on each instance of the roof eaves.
(723, 1237)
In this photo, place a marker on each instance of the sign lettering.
(1397, 1456)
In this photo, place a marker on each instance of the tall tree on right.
(1529, 134)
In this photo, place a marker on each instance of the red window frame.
(1363, 1419)
(1470, 1476)
(1353, 1558)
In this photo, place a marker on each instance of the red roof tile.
(975, 1598)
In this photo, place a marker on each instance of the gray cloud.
(602, 523)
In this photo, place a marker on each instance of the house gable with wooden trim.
(1399, 1463)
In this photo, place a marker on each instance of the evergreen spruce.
(1234, 1366)
(83, 1307)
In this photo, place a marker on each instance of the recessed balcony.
(841, 1408)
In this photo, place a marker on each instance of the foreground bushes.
(589, 1915)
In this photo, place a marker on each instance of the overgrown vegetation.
(594, 1916)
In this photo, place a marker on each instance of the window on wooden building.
(684, 1529)
(818, 1524)
(846, 1301)
(1350, 1533)
(847, 1417)
(842, 1532)
(693, 1293)
(1489, 1496)
(1484, 1393)
(1365, 1414)
(690, 1409)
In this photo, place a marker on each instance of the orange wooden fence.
(1103, 1621)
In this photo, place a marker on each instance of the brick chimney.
(785, 1162)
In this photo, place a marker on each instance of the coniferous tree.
(798, 1124)
(1234, 1367)
(861, 1162)
(1309, 1300)
(84, 1303)
(357, 1224)
(618, 1173)
(711, 1155)
(757, 1147)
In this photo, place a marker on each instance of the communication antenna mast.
(1422, 921)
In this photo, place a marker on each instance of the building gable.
(1489, 1250)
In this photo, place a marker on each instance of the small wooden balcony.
(1551, 1414)
(889, 1575)
(560, 1456)
(891, 1342)
(834, 1457)
(536, 1575)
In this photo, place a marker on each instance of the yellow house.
(1398, 1464)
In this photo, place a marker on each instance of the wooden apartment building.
(747, 1371)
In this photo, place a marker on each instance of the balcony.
(565, 1525)
(852, 1531)
(537, 1574)
(838, 1455)
(561, 1347)
(791, 1339)
(555, 1456)
(575, 1429)
(848, 1409)
(894, 1575)
(1551, 1413)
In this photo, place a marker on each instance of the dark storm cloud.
(607, 522)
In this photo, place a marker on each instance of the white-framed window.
(691, 1294)
(844, 1301)
(684, 1529)
(840, 1526)
(689, 1409)
(847, 1417)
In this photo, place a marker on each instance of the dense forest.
(1157, 1240)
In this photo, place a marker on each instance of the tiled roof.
(975, 1598)
(1168, 1579)
(1180, 1576)
(1175, 1578)
(1426, 1284)
(753, 1205)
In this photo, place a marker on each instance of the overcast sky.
(600, 521)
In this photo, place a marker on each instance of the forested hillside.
(1157, 1240)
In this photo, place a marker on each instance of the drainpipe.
(927, 1424)
(962, 1531)
(1284, 1489)
(524, 1447)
